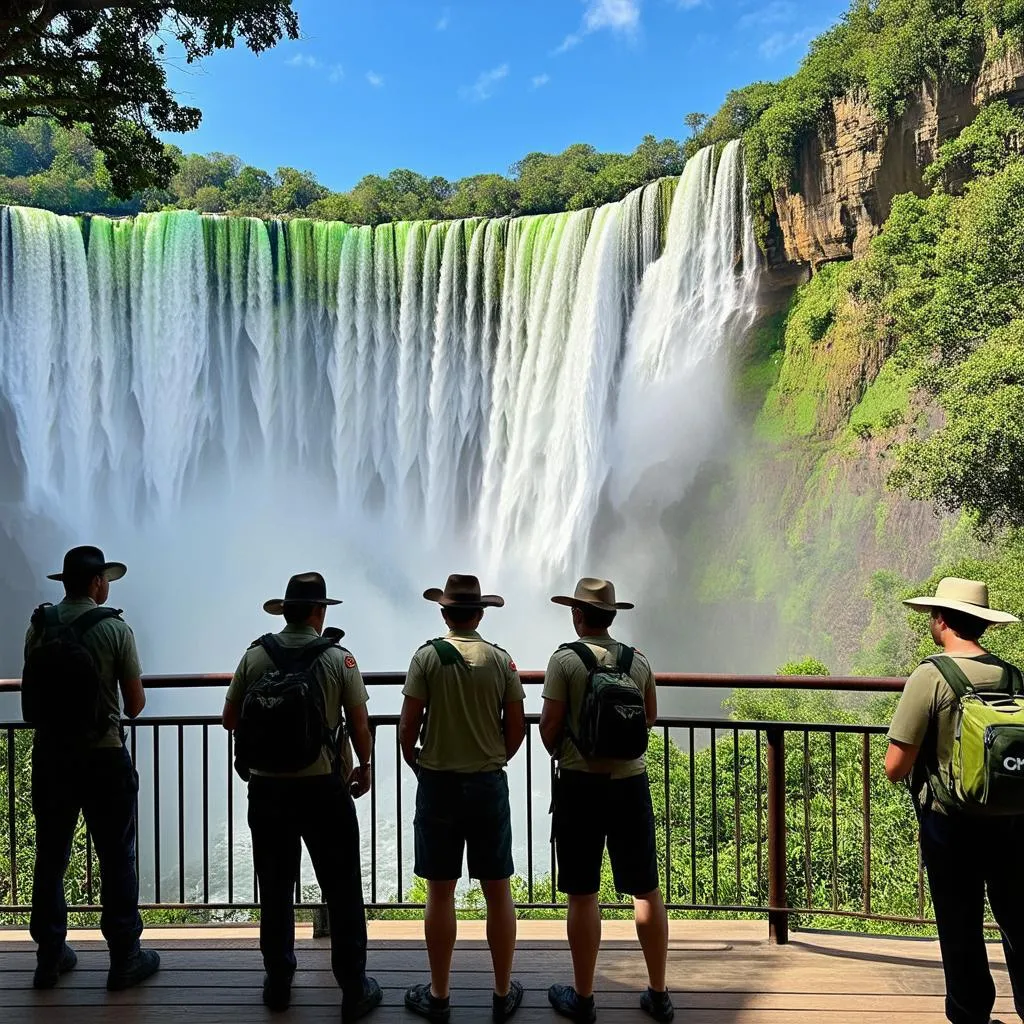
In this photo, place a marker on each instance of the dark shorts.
(591, 810)
(456, 811)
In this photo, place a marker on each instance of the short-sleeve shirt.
(925, 717)
(566, 680)
(336, 671)
(464, 703)
(112, 646)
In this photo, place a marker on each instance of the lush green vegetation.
(43, 164)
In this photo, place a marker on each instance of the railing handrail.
(669, 680)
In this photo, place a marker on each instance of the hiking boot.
(48, 971)
(358, 1004)
(569, 1003)
(128, 973)
(277, 991)
(502, 1007)
(421, 1001)
(657, 1005)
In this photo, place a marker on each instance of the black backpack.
(613, 718)
(61, 689)
(282, 725)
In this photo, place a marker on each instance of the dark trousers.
(964, 856)
(102, 785)
(319, 811)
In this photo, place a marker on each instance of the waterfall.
(461, 384)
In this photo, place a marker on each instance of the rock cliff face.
(850, 172)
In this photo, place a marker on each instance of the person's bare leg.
(652, 931)
(501, 931)
(584, 930)
(439, 929)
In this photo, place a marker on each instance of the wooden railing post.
(778, 918)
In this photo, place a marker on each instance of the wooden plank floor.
(719, 973)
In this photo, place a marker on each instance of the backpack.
(282, 724)
(613, 718)
(986, 773)
(61, 689)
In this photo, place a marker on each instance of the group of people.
(297, 707)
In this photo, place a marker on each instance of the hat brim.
(990, 615)
(275, 606)
(575, 602)
(436, 594)
(111, 571)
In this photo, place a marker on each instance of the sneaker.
(502, 1007)
(421, 1001)
(658, 1005)
(359, 1004)
(144, 964)
(277, 991)
(569, 1003)
(49, 971)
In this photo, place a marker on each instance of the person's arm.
(650, 695)
(229, 716)
(362, 744)
(914, 714)
(555, 708)
(130, 673)
(233, 699)
(899, 760)
(409, 725)
(513, 725)
(134, 697)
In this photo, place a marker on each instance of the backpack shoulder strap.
(308, 656)
(275, 651)
(93, 617)
(447, 653)
(584, 653)
(953, 674)
(625, 659)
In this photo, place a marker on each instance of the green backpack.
(986, 773)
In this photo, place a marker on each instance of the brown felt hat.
(594, 593)
(304, 588)
(967, 596)
(463, 592)
(86, 562)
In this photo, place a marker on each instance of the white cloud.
(779, 43)
(445, 20)
(302, 60)
(336, 74)
(775, 13)
(539, 81)
(571, 40)
(483, 88)
(374, 79)
(619, 16)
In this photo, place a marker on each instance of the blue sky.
(457, 87)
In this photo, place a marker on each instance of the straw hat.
(967, 596)
(594, 593)
(463, 592)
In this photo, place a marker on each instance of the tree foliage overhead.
(102, 64)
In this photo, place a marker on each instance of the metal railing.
(753, 818)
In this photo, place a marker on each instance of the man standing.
(602, 800)
(78, 654)
(285, 704)
(472, 698)
(963, 853)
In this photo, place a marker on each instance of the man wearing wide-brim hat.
(306, 796)
(83, 767)
(464, 697)
(963, 854)
(599, 803)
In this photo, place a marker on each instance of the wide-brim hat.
(463, 592)
(303, 588)
(967, 596)
(594, 593)
(85, 562)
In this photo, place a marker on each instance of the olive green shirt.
(339, 678)
(112, 646)
(566, 680)
(464, 731)
(926, 717)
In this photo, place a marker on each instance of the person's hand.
(359, 781)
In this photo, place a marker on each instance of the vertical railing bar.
(373, 813)
(736, 809)
(12, 813)
(807, 818)
(668, 817)
(758, 811)
(135, 765)
(778, 918)
(398, 811)
(156, 814)
(920, 882)
(835, 824)
(866, 798)
(231, 819)
(693, 819)
(181, 813)
(714, 816)
(88, 867)
(206, 813)
(529, 814)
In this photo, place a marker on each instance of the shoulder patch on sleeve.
(350, 662)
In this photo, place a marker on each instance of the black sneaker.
(357, 1005)
(658, 1005)
(502, 1007)
(421, 1001)
(277, 991)
(569, 1003)
(144, 964)
(48, 971)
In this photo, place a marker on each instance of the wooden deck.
(719, 973)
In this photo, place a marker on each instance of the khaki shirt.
(339, 678)
(112, 645)
(464, 703)
(566, 680)
(926, 718)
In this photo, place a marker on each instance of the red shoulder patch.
(350, 662)
(512, 665)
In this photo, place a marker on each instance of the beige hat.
(594, 593)
(967, 596)
(463, 592)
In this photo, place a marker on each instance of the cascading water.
(412, 393)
